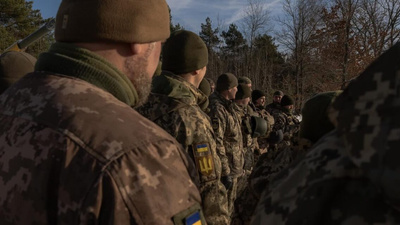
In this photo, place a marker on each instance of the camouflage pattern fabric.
(72, 153)
(273, 107)
(60, 166)
(248, 147)
(263, 142)
(248, 142)
(287, 122)
(267, 167)
(350, 176)
(176, 110)
(227, 128)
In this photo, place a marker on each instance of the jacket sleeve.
(219, 124)
(154, 182)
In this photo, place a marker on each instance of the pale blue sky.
(189, 13)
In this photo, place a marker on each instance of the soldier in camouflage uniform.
(315, 116)
(242, 99)
(276, 102)
(246, 81)
(258, 98)
(226, 125)
(287, 122)
(73, 151)
(175, 105)
(350, 176)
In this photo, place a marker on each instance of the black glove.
(227, 182)
(275, 137)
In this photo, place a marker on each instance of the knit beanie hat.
(256, 94)
(243, 92)
(244, 80)
(205, 87)
(184, 52)
(287, 100)
(226, 81)
(133, 21)
(315, 122)
(280, 93)
(13, 66)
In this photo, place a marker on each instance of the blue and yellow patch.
(193, 219)
(190, 216)
(204, 161)
(202, 148)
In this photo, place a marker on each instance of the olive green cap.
(244, 80)
(13, 66)
(184, 52)
(133, 21)
(205, 87)
(256, 94)
(315, 122)
(278, 93)
(243, 92)
(287, 100)
(226, 81)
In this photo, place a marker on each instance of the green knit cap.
(243, 92)
(13, 66)
(315, 121)
(226, 81)
(133, 21)
(184, 52)
(287, 100)
(205, 87)
(256, 94)
(244, 80)
(278, 93)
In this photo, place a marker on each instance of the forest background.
(313, 46)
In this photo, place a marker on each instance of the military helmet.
(259, 126)
(13, 66)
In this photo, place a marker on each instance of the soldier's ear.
(197, 72)
(140, 48)
(194, 73)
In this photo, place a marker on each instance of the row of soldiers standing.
(61, 161)
(223, 131)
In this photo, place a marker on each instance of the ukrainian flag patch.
(190, 216)
(202, 148)
(204, 161)
(193, 219)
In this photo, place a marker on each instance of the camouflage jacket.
(266, 168)
(174, 106)
(227, 128)
(249, 143)
(72, 153)
(350, 176)
(263, 142)
(268, 117)
(273, 107)
(289, 125)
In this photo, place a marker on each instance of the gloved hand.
(227, 182)
(275, 137)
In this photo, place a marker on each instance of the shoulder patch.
(215, 123)
(191, 216)
(204, 161)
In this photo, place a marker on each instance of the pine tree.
(17, 21)
(209, 35)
